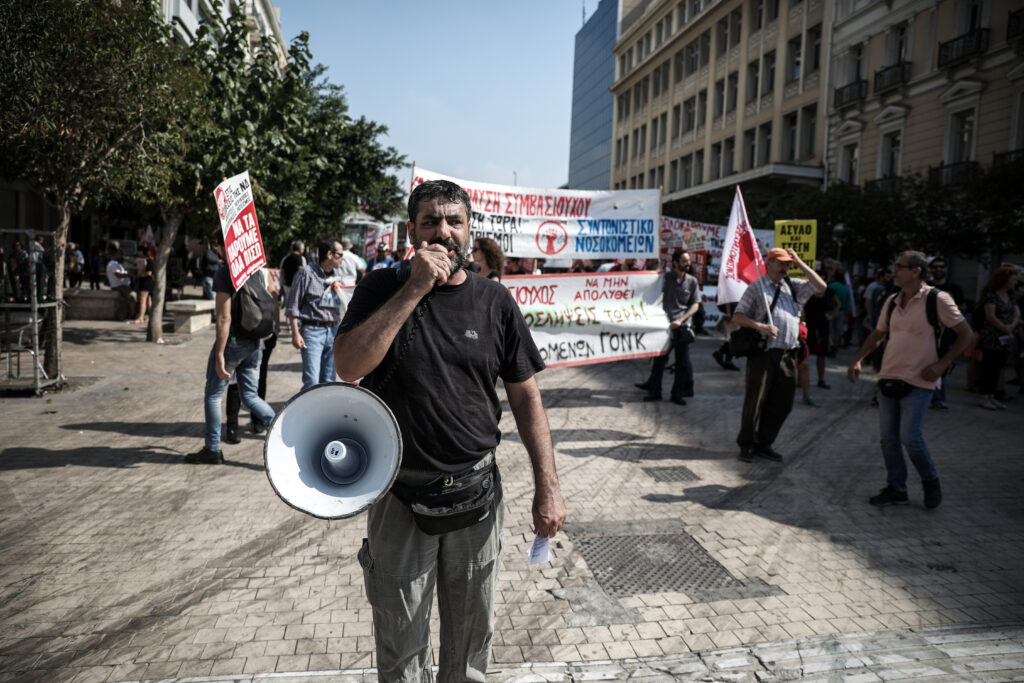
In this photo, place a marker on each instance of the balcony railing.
(892, 76)
(1015, 26)
(890, 185)
(1006, 158)
(952, 174)
(963, 47)
(851, 94)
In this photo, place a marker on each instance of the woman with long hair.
(489, 258)
(995, 338)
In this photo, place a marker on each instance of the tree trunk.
(168, 234)
(53, 328)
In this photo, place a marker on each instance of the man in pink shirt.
(911, 369)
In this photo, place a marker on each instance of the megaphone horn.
(333, 450)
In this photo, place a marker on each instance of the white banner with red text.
(243, 246)
(576, 319)
(561, 224)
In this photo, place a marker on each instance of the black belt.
(319, 323)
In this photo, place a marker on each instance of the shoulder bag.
(747, 341)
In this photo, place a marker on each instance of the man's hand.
(430, 267)
(675, 324)
(933, 372)
(548, 511)
(221, 368)
(297, 341)
(770, 331)
(853, 372)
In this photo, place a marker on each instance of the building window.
(753, 86)
(719, 98)
(664, 77)
(702, 107)
(657, 80)
(705, 47)
(768, 82)
(660, 179)
(636, 142)
(732, 91)
(659, 36)
(652, 180)
(735, 26)
(692, 58)
(681, 14)
(892, 144)
(764, 143)
(677, 121)
(678, 65)
(662, 128)
(808, 128)
(814, 48)
(618, 152)
(689, 115)
(897, 44)
(771, 10)
(698, 167)
(961, 138)
(654, 133)
(673, 176)
(849, 160)
(695, 7)
(756, 14)
(728, 156)
(722, 36)
(789, 139)
(715, 171)
(687, 164)
(643, 138)
(793, 59)
(749, 149)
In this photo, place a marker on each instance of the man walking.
(772, 374)
(351, 267)
(290, 265)
(382, 259)
(234, 350)
(433, 346)
(121, 283)
(313, 322)
(680, 299)
(911, 368)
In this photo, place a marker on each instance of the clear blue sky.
(474, 90)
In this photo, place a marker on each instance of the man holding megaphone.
(431, 340)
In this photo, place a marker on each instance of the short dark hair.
(326, 246)
(916, 259)
(678, 254)
(444, 189)
(935, 259)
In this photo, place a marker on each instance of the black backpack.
(256, 309)
(944, 336)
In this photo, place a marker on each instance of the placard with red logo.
(243, 246)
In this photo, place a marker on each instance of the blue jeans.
(208, 292)
(901, 422)
(318, 356)
(682, 385)
(242, 357)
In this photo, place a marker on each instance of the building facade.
(590, 142)
(713, 93)
(929, 87)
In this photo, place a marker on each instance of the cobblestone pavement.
(118, 562)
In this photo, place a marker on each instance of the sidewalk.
(118, 562)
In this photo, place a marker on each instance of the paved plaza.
(119, 562)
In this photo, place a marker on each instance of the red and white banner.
(741, 257)
(576, 319)
(243, 246)
(561, 224)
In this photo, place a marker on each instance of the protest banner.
(677, 233)
(802, 237)
(577, 319)
(741, 256)
(243, 246)
(374, 236)
(562, 224)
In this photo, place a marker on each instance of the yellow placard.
(802, 237)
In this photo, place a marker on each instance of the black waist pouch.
(452, 501)
(894, 388)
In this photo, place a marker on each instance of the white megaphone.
(333, 450)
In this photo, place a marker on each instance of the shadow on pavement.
(97, 456)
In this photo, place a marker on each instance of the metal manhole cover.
(677, 473)
(631, 564)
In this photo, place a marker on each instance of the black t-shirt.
(954, 291)
(222, 283)
(209, 263)
(289, 266)
(442, 391)
(817, 309)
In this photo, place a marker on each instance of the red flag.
(741, 257)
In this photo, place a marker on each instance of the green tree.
(84, 83)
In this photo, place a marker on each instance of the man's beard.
(459, 256)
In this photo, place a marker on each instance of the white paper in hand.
(540, 551)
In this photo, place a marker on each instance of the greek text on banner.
(562, 224)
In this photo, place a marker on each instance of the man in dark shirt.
(290, 265)
(938, 274)
(680, 299)
(432, 341)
